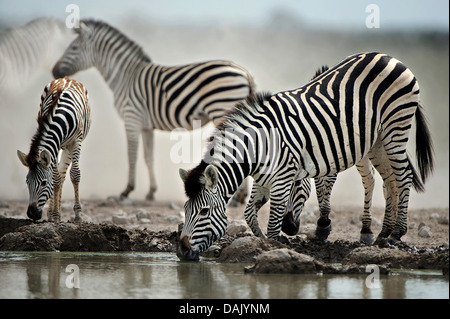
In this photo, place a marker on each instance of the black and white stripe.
(149, 96)
(363, 106)
(25, 49)
(64, 119)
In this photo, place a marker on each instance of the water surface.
(162, 275)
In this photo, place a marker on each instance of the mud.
(154, 227)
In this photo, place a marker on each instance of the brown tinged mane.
(42, 118)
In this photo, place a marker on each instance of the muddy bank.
(24, 235)
(246, 248)
(300, 254)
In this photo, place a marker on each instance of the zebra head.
(78, 56)
(205, 219)
(39, 181)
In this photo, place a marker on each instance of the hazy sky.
(398, 14)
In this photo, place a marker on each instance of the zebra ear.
(22, 157)
(211, 177)
(183, 174)
(84, 30)
(45, 159)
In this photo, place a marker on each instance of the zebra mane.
(319, 71)
(42, 119)
(192, 183)
(252, 102)
(96, 25)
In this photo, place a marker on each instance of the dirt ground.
(158, 216)
(153, 226)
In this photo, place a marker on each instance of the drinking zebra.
(149, 96)
(63, 120)
(363, 106)
(324, 184)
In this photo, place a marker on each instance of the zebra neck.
(231, 176)
(118, 67)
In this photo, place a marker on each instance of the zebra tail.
(424, 147)
(417, 183)
(251, 84)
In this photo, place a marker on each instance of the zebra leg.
(324, 186)
(380, 161)
(299, 194)
(279, 197)
(258, 197)
(403, 178)
(59, 175)
(366, 170)
(75, 177)
(148, 139)
(132, 144)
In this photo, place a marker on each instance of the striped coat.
(63, 120)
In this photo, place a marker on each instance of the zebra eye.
(43, 183)
(204, 211)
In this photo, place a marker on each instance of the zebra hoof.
(367, 238)
(283, 239)
(394, 239)
(77, 219)
(289, 226)
(322, 233)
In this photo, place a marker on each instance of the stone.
(141, 214)
(434, 216)
(284, 261)
(309, 230)
(145, 221)
(308, 217)
(236, 227)
(425, 232)
(121, 219)
(245, 249)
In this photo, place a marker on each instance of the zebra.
(63, 120)
(301, 190)
(149, 96)
(363, 106)
(26, 48)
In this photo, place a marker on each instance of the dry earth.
(153, 226)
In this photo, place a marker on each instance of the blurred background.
(281, 42)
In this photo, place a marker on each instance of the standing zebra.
(363, 106)
(149, 96)
(63, 120)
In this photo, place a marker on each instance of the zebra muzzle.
(185, 251)
(34, 212)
